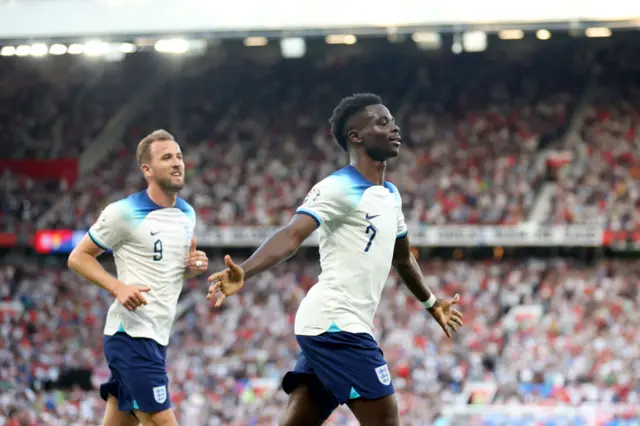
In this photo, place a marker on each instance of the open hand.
(225, 283)
(444, 314)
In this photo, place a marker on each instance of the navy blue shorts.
(138, 375)
(338, 367)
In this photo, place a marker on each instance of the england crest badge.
(160, 394)
(383, 375)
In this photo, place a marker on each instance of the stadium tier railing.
(524, 235)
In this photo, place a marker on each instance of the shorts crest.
(383, 375)
(160, 394)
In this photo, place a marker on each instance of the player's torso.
(368, 233)
(156, 252)
(355, 254)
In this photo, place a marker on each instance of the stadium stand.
(601, 187)
(53, 108)
(543, 331)
(470, 155)
(547, 331)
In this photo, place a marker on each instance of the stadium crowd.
(544, 331)
(54, 107)
(602, 186)
(256, 139)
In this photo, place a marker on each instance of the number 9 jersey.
(150, 245)
(359, 223)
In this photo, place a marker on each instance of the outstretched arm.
(280, 246)
(407, 267)
(325, 202)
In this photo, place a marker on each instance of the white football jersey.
(359, 223)
(150, 245)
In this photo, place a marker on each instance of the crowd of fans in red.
(544, 331)
(256, 137)
(601, 186)
(255, 140)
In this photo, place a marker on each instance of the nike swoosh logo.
(154, 233)
(369, 217)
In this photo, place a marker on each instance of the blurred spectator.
(255, 140)
(255, 137)
(545, 331)
(601, 185)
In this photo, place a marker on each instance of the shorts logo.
(160, 394)
(383, 375)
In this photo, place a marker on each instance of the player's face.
(380, 135)
(166, 167)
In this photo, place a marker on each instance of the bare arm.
(280, 246)
(407, 267)
(83, 262)
(442, 310)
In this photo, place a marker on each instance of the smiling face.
(164, 165)
(376, 131)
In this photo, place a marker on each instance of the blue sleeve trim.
(311, 214)
(186, 208)
(403, 235)
(96, 242)
(394, 190)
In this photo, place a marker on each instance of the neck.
(161, 197)
(372, 170)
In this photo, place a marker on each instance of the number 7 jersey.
(150, 245)
(359, 223)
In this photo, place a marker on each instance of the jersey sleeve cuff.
(313, 215)
(402, 235)
(97, 241)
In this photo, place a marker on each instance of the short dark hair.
(347, 108)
